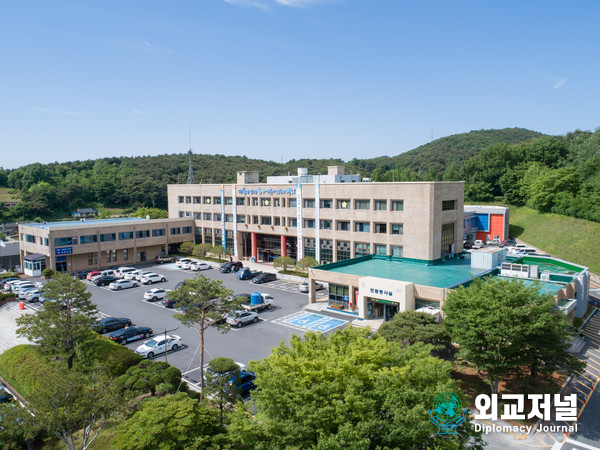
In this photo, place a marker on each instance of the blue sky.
(287, 79)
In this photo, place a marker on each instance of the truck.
(247, 274)
(258, 301)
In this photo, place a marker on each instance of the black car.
(264, 277)
(111, 324)
(81, 274)
(169, 303)
(232, 266)
(105, 280)
(130, 334)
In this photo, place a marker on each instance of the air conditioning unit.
(545, 277)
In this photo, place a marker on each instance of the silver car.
(241, 318)
(122, 284)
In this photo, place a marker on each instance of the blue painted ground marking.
(316, 322)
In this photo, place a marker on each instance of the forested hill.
(441, 153)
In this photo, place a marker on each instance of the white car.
(33, 295)
(304, 286)
(182, 261)
(155, 294)
(121, 271)
(240, 318)
(122, 284)
(199, 266)
(157, 345)
(22, 287)
(104, 273)
(138, 274)
(187, 264)
(152, 278)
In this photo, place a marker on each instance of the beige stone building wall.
(95, 255)
(422, 216)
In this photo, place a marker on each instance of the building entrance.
(381, 309)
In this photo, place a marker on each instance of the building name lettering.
(261, 191)
(381, 292)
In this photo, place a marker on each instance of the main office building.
(331, 217)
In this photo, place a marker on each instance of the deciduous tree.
(283, 262)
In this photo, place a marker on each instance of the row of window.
(378, 205)
(111, 256)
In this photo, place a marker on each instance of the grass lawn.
(574, 240)
(5, 196)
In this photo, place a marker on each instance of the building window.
(114, 255)
(380, 249)
(448, 205)
(397, 251)
(206, 200)
(339, 295)
(276, 202)
(380, 205)
(292, 203)
(58, 242)
(88, 239)
(197, 216)
(241, 219)
(188, 214)
(46, 242)
(397, 205)
(309, 248)
(361, 249)
(326, 251)
(292, 222)
(362, 204)
(175, 230)
(142, 234)
(309, 223)
(381, 228)
(309, 202)
(207, 216)
(108, 256)
(108, 237)
(325, 225)
(240, 201)
(265, 220)
(447, 238)
(197, 200)
(228, 217)
(343, 204)
(125, 235)
(326, 204)
(187, 230)
(31, 239)
(125, 254)
(180, 199)
(228, 201)
(265, 202)
(217, 200)
(397, 228)
(362, 227)
(277, 221)
(208, 237)
(343, 250)
(90, 258)
(254, 201)
(188, 199)
(342, 225)
(181, 214)
(217, 217)
(158, 232)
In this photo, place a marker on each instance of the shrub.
(47, 272)
(156, 377)
(24, 367)
(113, 357)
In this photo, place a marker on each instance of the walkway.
(9, 313)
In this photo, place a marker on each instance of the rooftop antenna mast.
(190, 179)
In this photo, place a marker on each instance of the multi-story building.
(332, 217)
(80, 245)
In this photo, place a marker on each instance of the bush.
(113, 357)
(24, 367)
(47, 272)
(7, 295)
(156, 377)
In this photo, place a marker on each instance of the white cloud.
(59, 113)
(265, 4)
(249, 3)
(559, 82)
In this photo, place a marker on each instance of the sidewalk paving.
(9, 312)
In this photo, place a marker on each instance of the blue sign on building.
(63, 251)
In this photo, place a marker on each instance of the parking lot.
(252, 341)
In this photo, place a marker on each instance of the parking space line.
(586, 395)
(580, 374)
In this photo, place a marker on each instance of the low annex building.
(95, 244)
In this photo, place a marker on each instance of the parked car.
(152, 278)
(199, 266)
(111, 324)
(18, 288)
(182, 261)
(264, 277)
(81, 274)
(105, 280)
(232, 266)
(139, 274)
(246, 274)
(478, 244)
(467, 245)
(508, 243)
(304, 286)
(164, 259)
(186, 264)
(33, 295)
(258, 302)
(91, 274)
(104, 273)
(169, 302)
(155, 294)
(243, 383)
(158, 345)
(122, 284)
(178, 285)
(130, 334)
(121, 271)
(241, 318)
(22, 295)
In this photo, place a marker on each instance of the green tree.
(306, 262)
(218, 385)
(207, 302)
(500, 326)
(411, 327)
(348, 389)
(153, 213)
(151, 376)
(65, 323)
(283, 262)
(201, 250)
(169, 423)
(219, 251)
(186, 247)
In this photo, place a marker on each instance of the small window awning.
(34, 257)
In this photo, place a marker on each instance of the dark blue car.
(243, 383)
(130, 334)
(247, 274)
